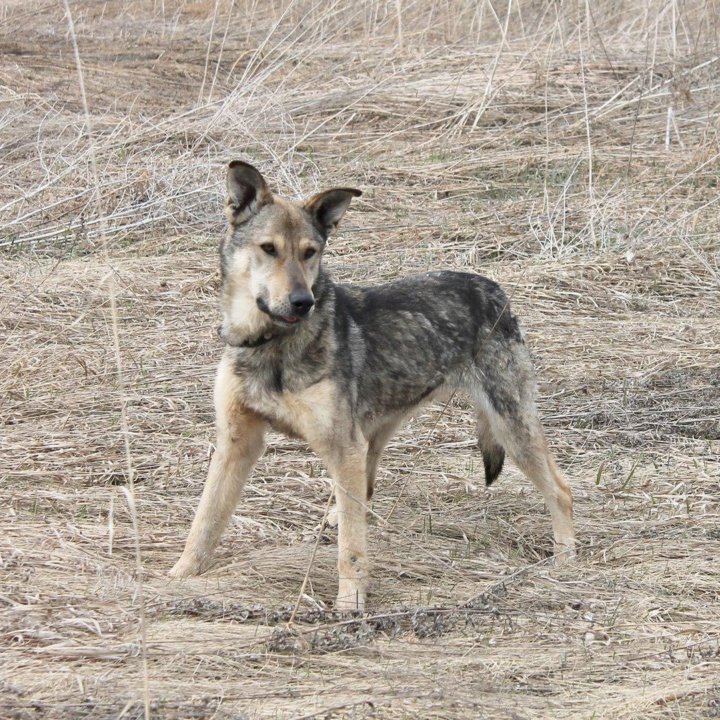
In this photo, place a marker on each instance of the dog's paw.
(353, 582)
(564, 553)
(350, 603)
(332, 517)
(185, 567)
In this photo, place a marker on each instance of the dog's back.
(404, 342)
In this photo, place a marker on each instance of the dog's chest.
(289, 401)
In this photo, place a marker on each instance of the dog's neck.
(258, 341)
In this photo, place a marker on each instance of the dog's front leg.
(347, 467)
(325, 420)
(240, 442)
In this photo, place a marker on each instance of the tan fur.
(254, 273)
(319, 416)
(240, 312)
(240, 442)
(536, 462)
(539, 466)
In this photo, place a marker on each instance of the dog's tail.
(493, 459)
(493, 453)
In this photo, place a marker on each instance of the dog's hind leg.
(240, 442)
(526, 445)
(378, 440)
(511, 424)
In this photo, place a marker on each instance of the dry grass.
(569, 151)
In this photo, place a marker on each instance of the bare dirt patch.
(570, 154)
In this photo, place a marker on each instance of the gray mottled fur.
(392, 347)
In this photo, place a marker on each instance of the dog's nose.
(301, 301)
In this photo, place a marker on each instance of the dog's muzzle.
(301, 303)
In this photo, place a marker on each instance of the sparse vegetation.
(569, 151)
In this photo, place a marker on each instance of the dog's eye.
(309, 253)
(269, 249)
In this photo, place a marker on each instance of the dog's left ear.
(247, 192)
(328, 207)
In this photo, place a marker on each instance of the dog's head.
(270, 259)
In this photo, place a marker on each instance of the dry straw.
(568, 152)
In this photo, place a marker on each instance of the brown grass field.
(568, 150)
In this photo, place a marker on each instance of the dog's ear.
(247, 192)
(328, 207)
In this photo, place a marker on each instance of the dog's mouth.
(285, 320)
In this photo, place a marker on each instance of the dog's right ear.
(247, 192)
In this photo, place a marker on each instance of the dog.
(342, 366)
